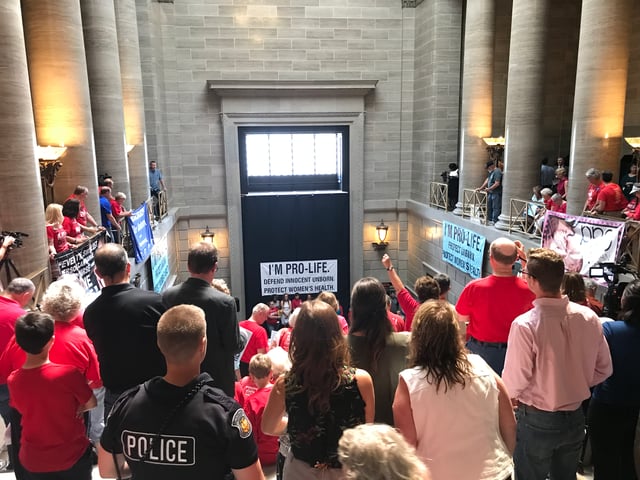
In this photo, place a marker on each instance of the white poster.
(300, 276)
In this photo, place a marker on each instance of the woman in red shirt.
(56, 234)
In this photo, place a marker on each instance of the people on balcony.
(547, 174)
(627, 181)
(558, 204)
(493, 186)
(610, 199)
(631, 211)
(561, 182)
(594, 177)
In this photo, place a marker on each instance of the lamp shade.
(207, 235)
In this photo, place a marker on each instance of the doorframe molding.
(251, 103)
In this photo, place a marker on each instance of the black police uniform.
(206, 437)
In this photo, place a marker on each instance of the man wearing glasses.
(489, 305)
(556, 353)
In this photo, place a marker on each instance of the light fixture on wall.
(207, 235)
(50, 164)
(495, 147)
(635, 145)
(382, 231)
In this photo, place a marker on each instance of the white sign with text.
(300, 276)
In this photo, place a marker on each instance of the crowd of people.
(172, 384)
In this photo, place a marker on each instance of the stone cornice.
(276, 88)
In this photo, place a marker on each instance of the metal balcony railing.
(438, 195)
(474, 205)
(526, 217)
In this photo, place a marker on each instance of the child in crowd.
(254, 399)
(54, 436)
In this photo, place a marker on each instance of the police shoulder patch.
(242, 423)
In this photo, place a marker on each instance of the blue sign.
(160, 265)
(141, 233)
(463, 248)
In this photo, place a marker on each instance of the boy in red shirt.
(254, 396)
(54, 439)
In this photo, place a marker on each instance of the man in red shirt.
(426, 288)
(17, 295)
(258, 342)
(610, 198)
(490, 304)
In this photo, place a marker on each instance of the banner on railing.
(141, 233)
(582, 241)
(463, 248)
(301, 276)
(160, 264)
(80, 262)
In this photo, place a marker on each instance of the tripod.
(8, 268)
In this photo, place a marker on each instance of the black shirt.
(206, 437)
(122, 323)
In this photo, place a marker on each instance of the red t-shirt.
(559, 208)
(59, 237)
(592, 195)
(116, 209)
(9, 313)
(82, 214)
(492, 304)
(274, 316)
(267, 444)
(397, 322)
(71, 346)
(284, 338)
(244, 389)
(72, 227)
(257, 340)
(409, 305)
(343, 324)
(53, 435)
(561, 187)
(295, 303)
(613, 198)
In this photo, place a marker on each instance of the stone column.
(477, 94)
(20, 190)
(103, 64)
(601, 81)
(132, 95)
(525, 102)
(60, 91)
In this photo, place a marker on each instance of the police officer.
(179, 425)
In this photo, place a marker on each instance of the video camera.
(17, 235)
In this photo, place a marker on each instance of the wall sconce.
(207, 235)
(635, 145)
(48, 157)
(495, 147)
(381, 231)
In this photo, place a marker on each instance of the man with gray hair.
(13, 301)
(258, 341)
(489, 305)
(594, 177)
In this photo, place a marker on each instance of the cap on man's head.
(490, 163)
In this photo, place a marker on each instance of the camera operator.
(6, 244)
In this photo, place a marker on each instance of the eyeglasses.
(524, 272)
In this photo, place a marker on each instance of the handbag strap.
(181, 404)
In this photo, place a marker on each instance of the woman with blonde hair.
(56, 234)
(378, 452)
(319, 398)
(451, 405)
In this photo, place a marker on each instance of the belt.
(530, 408)
(487, 344)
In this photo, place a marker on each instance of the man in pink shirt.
(556, 352)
